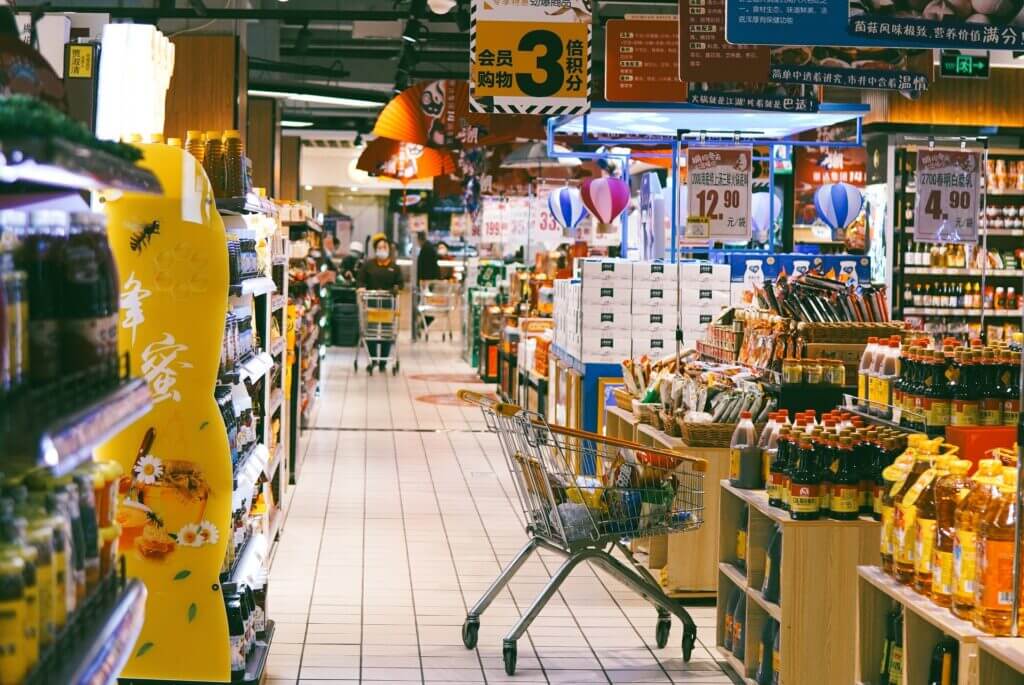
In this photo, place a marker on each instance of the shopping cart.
(437, 299)
(637, 492)
(378, 328)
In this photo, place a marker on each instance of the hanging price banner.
(544, 229)
(718, 195)
(493, 221)
(948, 188)
(517, 212)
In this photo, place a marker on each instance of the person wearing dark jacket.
(426, 263)
(380, 273)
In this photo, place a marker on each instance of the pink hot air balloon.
(605, 197)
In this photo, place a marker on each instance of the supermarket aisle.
(403, 514)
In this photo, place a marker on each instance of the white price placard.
(948, 196)
(718, 195)
(493, 220)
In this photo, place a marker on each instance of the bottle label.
(741, 545)
(996, 574)
(876, 500)
(785, 490)
(737, 634)
(964, 554)
(888, 531)
(942, 573)
(766, 466)
(965, 413)
(904, 533)
(925, 542)
(734, 463)
(776, 665)
(13, 664)
(845, 499)
(825, 496)
(1011, 412)
(777, 486)
(862, 386)
(45, 582)
(925, 479)
(728, 628)
(936, 412)
(896, 665)
(991, 412)
(804, 499)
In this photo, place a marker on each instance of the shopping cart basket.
(378, 328)
(637, 491)
(437, 299)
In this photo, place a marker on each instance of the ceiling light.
(354, 189)
(307, 188)
(318, 99)
(413, 28)
(290, 123)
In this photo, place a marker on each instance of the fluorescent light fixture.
(317, 99)
(308, 187)
(291, 123)
(354, 189)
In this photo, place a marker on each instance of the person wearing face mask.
(380, 273)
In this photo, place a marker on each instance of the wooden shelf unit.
(818, 569)
(1001, 660)
(924, 624)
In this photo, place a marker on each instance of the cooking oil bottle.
(925, 519)
(949, 491)
(905, 516)
(993, 593)
(967, 520)
(13, 609)
(894, 475)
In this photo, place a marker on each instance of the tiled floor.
(403, 514)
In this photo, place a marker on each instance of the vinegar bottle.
(967, 520)
(948, 491)
(993, 592)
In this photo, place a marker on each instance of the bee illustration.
(143, 236)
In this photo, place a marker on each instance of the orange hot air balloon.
(404, 162)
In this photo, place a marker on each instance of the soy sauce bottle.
(40, 258)
(777, 470)
(805, 484)
(764, 653)
(845, 500)
(739, 628)
(741, 539)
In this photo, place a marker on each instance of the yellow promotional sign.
(175, 503)
(79, 61)
(530, 58)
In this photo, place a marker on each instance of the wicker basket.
(623, 400)
(709, 434)
(669, 424)
(647, 413)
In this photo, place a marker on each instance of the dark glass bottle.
(1011, 387)
(773, 567)
(966, 406)
(40, 258)
(936, 400)
(845, 500)
(805, 484)
(739, 628)
(741, 539)
(764, 653)
(777, 470)
(990, 392)
(825, 453)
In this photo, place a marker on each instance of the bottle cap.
(232, 133)
(213, 135)
(989, 467)
(746, 415)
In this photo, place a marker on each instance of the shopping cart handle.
(492, 403)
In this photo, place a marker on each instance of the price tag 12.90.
(718, 194)
(948, 196)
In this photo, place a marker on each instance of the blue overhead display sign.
(784, 22)
(997, 33)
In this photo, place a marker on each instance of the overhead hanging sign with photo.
(704, 53)
(948, 191)
(530, 58)
(641, 58)
(783, 22)
(718, 194)
(985, 24)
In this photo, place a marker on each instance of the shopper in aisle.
(380, 273)
(426, 261)
(352, 262)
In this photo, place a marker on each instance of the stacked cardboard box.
(703, 293)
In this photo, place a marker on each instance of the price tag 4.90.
(948, 193)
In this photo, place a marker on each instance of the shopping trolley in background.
(637, 492)
(437, 299)
(378, 323)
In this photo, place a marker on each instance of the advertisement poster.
(530, 58)
(876, 68)
(718, 194)
(642, 60)
(767, 97)
(985, 24)
(947, 202)
(783, 22)
(814, 167)
(704, 53)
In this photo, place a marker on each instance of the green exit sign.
(955, 65)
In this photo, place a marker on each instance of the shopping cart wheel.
(689, 639)
(355, 365)
(661, 634)
(369, 369)
(508, 652)
(394, 369)
(469, 631)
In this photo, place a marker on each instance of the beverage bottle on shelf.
(867, 362)
(908, 363)
(741, 539)
(777, 656)
(943, 668)
(845, 500)
(896, 651)
(805, 484)
(730, 613)
(888, 644)
(905, 517)
(935, 398)
(918, 299)
(739, 628)
(1011, 387)
(908, 295)
(993, 591)
(772, 586)
(744, 456)
(764, 653)
(88, 326)
(824, 455)
(925, 520)
(213, 162)
(234, 164)
(39, 256)
(13, 605)
(966, 407)
(990, 391)
(948, 491)
(966, 521)
(777, 472)
(864, 457)
(195, 144)
(768, 444)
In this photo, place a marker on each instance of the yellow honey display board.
(175, 502)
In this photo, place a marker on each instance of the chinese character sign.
(947, 202)
(493, 220)
(718, 194)
(641, 58)
(530, 58)
(547, 230)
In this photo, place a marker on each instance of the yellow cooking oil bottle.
(966, 521)
(924, 530)
(905, 513)
(13, 656)
(894, 475)
(949, 491)
(993, 592)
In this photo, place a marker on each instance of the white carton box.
(606, 293)
(655, 295)
(610, 349)
(654, 272)
(606, 316)
(704, 272)
(661, 319)
(654, 346)
(701, 296)
(693, 335)
(606, 270)
(697, 320)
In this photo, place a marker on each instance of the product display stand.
(818, 571)
(924, 624)
(582, 405)
(1000, 660)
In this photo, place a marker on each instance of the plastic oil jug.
(925, 527)
(993, 592)
(966, 520)
(949, 491)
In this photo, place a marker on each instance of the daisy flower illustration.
(208, 534)
(189, 536)
(149, 469)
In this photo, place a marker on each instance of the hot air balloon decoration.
(605, 198)
(566, 207)
(760, 206)
(838, 205)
